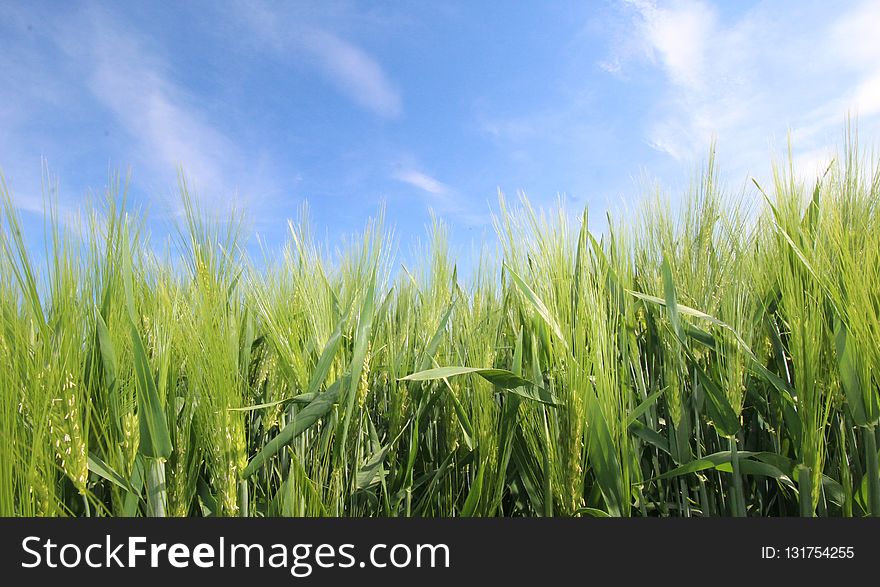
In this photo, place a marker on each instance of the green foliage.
(697, 359)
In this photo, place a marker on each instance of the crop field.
(712, 356)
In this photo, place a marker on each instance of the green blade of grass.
(506, 380)
(303, 420)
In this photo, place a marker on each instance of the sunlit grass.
(704, 359)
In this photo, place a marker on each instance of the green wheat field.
(718, 355)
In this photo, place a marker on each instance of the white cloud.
(167, 128)
(867, 96)
(354, 72)
(90, 91)
(706, 67)
(421, 180)
(437, 195)
(748, 80)
(153, 111)
(679, 34)
(854, 36)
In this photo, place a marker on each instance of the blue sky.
(423, 106)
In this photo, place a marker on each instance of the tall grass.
(714, 357)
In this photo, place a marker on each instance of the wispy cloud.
(438, 195)
(857, 46)
(351, 69)
(155, 113)
(706, 66)
(104, 61)
(749, 79)
(354, 73)
(421, 181)
(679, 35)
